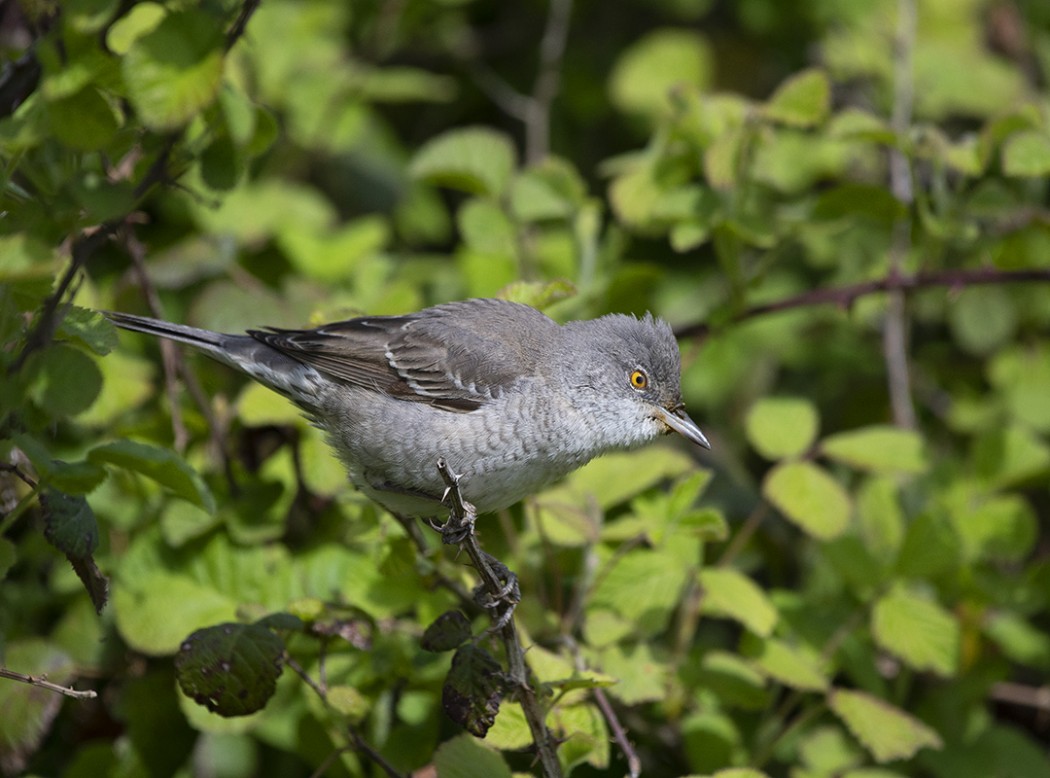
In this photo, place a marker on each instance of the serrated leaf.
(163, 466)
(918, 631)
(881, 449)
(465, 757)
(787, 664)
(174, 71)
(731, 594)
(803, 100)
(808, 496)
(476, 160)
(448, 631)
(69, 523)
(887, 732)
(644, 587)
(231, 669)
(473, 689)
(88, 328)
(780, 427)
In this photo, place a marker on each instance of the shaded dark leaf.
(473, 689)
(448, 631)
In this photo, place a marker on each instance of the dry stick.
(359, 743)
(1018, 694)
(894, 333)
(463, 515)
(845, 296)
(37, 680)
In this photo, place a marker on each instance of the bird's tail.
(243, 352)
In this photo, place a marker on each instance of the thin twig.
(358, 743)
(462, 515)
(240, 24)
(1037, 697)
(845, 296)
(634, 764)
(895, 329)
(37, 680)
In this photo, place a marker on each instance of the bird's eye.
(639, 380)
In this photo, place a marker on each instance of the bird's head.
(626, 374)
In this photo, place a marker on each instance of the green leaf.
(789, 665)
(69, 523)
(931, 547)
(163, 466)
(983, 319)
(1027, 154)
(879, 516)
(1010, 456)
(465, 757)
(1022, 375)
(88, 328)
(139, 20)
(88, 16)
(173, 72)
(642, 676)
(888, 733)
(733, 680)
(730, 594)
(881, 449)
(473, 689)
(661, 61)
(449, 631)
(85, 121)
(1019, 640)
(644, 587)
(918, 631)
(808, 496)
(67, 381)
(1003, 528)
(781, 427)
(476, 160)
(804, 100)
(348, 702)
(231, 669)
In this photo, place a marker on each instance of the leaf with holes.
(231, 669)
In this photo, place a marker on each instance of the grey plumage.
(508, 397)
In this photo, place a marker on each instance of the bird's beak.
(679, 421)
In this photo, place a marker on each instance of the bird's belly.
(391, 453)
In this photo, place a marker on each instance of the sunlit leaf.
(780, 427)
(918, 631)
(809, 497)
(888, 733)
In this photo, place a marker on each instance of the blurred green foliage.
(828, 593)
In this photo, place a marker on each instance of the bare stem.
(462, 515)
(845, 296)
(43, 683)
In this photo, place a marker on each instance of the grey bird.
(510, 399)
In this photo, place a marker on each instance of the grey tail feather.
(206, 340)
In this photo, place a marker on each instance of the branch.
(37, 680)
(538, 108)
(460, 529)
(357, 742)
(845, 296)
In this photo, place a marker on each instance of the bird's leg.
(498, 591)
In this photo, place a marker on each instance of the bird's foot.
(502, 602)
(462, 515)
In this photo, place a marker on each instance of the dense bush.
(843, 209)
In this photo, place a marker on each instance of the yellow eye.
(639, 380)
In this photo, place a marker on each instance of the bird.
(508, 399)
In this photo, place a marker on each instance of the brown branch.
(1037, 697)
(845, 296)
(38, 680)
(459, 529)
(358, 743)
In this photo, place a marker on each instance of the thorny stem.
(462, 515)
(43, 683)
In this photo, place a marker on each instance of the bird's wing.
(447, 356)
